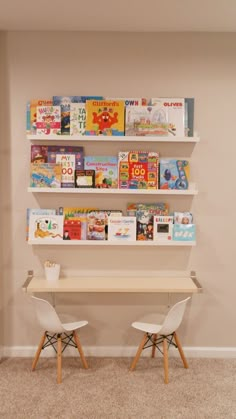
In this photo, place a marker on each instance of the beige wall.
(132, 65)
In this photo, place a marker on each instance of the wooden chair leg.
(41, 343)
(78, 344)
(165, 353)
(154, 346)
(138, 353)
(180, 349)
(59, 345)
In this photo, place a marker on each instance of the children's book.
(72, 229)
(70, 158)
(77, 118)
(189, 117)
(36, 211)
(145, 121)
(33, 112)
(138, 169)
(183, 218)
(97, 226)
(106, 170)
(77, 214)
(122, 228)
(85, 178)
(66, 104)
(144, 214)
(45, 175)
(184, 232)
(174, 174)
(175, 113)
(105, 117)
(39, 154)
(156, 208)
(130, 101)
(28, 127)
(48, 120)
(162, 228)
(45, 227)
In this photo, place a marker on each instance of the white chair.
(155, 334)
(56, 332)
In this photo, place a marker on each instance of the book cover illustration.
(105, 117)
(34, 103)
(106, 170)
(39, 154)
(97, 223)
(77, 119)
(183, 217)
(122, 228)
(85, 178)
(174, 174)
(162, 228)
(72, 229)
(175, 114)
(74, 214)
(45, 227)
(138, 169)
(156, 208)
(144, 214)
(36, 211)
(45, 175)
(48, 120)
(184, 232)
(145, 121)
(130, 101)
(70, 158)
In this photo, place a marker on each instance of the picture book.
(39, 154)
(145, 121)
(106, 170)
(162, 228)
(85, 178)
(28, 127)
(175, 113)
(77, 214)
(45, 227)
(189, 117)
(138, 169)
(45, 175)
(97, 226)
(77, 118)
(105, 117)
(157, 208)
(48, 120)
(174, 174)
(33, 112)
(144, 214)
(130, 101)
(122, 228)
(70, 158)
(72, 229)
(36, 211)
(184, 232)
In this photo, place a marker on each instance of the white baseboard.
(119, 351)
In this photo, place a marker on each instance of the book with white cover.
(45, 227)
(162, 228)
(174, 108)
(121, 228)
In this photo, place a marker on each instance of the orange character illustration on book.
(104, 119)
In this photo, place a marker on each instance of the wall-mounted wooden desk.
(188, 284)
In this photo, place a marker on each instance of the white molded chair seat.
(56, 332)
(164, 333)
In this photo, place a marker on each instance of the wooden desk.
(188, 284)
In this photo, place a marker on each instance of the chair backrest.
(174, 318)
(47, 316)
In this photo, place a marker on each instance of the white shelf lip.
(56, 242)
(191, 191)
(114, 138)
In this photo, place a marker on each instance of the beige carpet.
(108, 390)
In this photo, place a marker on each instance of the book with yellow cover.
(105, 117)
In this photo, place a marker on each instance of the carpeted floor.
(108, 390)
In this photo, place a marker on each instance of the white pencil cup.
(52, 273)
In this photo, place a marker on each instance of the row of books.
(96, 115)
(143, 222)
(68, 167)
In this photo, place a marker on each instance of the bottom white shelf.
(52, 242)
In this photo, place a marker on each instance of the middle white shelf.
(110, 243)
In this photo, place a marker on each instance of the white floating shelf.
(56, 242)
(191, 191)
(106, 138)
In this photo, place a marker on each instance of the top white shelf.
(106, 138)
